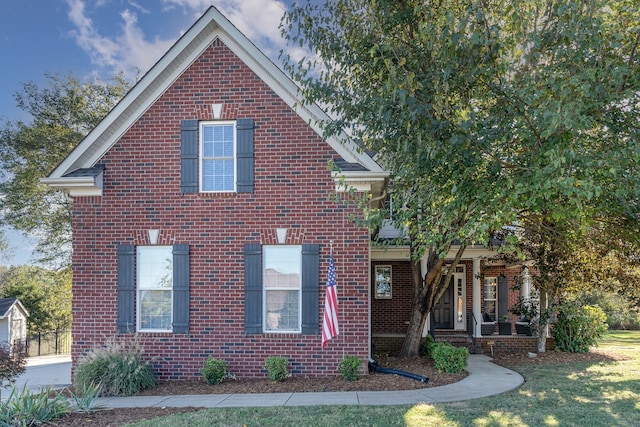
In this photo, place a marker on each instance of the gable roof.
(7, 303)
(211, 26)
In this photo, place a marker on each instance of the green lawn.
(580, 394)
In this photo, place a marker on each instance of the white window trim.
(201, 157)
(487, 280)
(138, 291)
(264, 296)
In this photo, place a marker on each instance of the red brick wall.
(391, 316)
(293, 189)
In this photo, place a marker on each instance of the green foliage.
(621, 312)
(425, 346)
(578, 327)
(448, 358)
(215, 371)
(12, 362)
(25, 408)
(473, 104)
(350, 367)
(277, 367)
(61, 115)
(86, 402)
(46, 294)
(117, 369)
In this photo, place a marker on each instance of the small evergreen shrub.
(447, 358)
(277, 366)
(26, 408)
(118, 369)
(425, 346)
(215, 371)
(578, 327)
(350, 367)
(12, 363)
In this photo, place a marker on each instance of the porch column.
(476, 297)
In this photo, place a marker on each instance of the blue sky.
(103, 37)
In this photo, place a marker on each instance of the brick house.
(204, 213)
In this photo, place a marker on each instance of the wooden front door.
(443, 310)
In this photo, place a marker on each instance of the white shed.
(13, 321)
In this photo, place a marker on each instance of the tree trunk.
(543, 323)
(426, 292)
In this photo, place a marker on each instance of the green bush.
(622, 313)
(578, 327)
(117, 369)
(215, 371)
(25, 408)
(425, 346)
(350, 367)
(86, 402)
(447, 358)
(277, 368)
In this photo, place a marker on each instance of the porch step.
(459, 340)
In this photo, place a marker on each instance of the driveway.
(43, 372)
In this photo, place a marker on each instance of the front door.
(443, 310)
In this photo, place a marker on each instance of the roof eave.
(76, 186)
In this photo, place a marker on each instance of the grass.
(578, 394)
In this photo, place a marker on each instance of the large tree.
(60, 114)
(46, 294)
(482, 112)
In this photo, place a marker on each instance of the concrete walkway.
(484, 379)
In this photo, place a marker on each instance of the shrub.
(425, 346)
(447, 358)
(86, 402)
(622, 313)
(350, 367)
(215, 371)
(117, 369)
(277, 368)
(25, 408)
(12, 363)
(578, 327)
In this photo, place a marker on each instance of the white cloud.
(133, 50)
(259, 20)
(129, 51)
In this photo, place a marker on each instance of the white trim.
(287, 288)
(77, 185)
(201, 126)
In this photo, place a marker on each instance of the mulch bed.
(371, 382)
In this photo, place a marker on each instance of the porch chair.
(488, 325)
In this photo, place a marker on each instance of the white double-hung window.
(155, 288)
(218, 156)
(282, 278)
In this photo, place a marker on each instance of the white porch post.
(476, 297)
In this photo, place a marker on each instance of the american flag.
(330, 322)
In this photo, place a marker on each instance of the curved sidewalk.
(484, 379)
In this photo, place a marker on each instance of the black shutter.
(252, 288)
(189, 156)
(244, 135)
(310, 288)
(180, 289)
(503, 297)
(126, 288)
